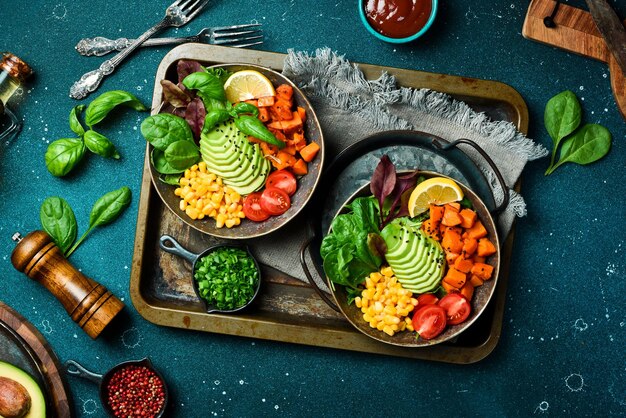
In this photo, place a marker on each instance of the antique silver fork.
(176, 15)
(238, 36)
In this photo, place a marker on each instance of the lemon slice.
(435, 190)
(247, 85)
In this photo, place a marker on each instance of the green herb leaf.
(220, 73)
(164, 129)
(243, 108)
(213, 118)
(100, 144)
(252, 126)
(100, 107)
(160, 164)
(109, 207)
(562, 116)
(75, 124)
(207, 84)
(182, 154)
(58, 220)
(171, 179)
(587, 145)
(104, 211)
(63, 154)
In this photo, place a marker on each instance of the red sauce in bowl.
(398, 18)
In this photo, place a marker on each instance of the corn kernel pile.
(203, 194)
(385, 303)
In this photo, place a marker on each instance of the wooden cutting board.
(25, 347)
(575, 31)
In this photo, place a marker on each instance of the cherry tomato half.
(456, 306)
(275, 201)
(283, 180)
(252, 208)
(427, 299)
(429, 321)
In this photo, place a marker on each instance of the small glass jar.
(13, 72)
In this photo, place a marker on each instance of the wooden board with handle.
(574, 31)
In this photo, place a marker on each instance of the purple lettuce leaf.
(186, 67)
(173, 94)
(194, 115)
(168, 108)
(399, 206)
(383, 181)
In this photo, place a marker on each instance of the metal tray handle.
(309, 277)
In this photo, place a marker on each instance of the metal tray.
(289, 310)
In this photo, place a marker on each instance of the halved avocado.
(37, 400)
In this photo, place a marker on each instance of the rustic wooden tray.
(289, 310)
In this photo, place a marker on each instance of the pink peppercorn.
(135, 391)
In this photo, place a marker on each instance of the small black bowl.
(169, 244)
(76, 369)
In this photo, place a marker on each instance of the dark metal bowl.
(306, 184)
(482, 294)
(169, 244)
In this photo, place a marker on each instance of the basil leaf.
(220, 73)
(100, 107)
(58, 220)
(182, 154)
(208, 84)
(213, 118)
(587, 145)
(243, 107)
(75, 124)
(164, 129)
(252, 126)
(561, 117)
(100, 144)
(104, 211)
(63, 154)
(161, 165)
(213, 104)
(109, 207)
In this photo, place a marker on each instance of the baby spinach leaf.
(100, 107)
(171, 179)
(160, 164)
(100, 144)
(58, 220)
(164, 129)
(182, 154)
(63, 154)
(562, 116)
(75, 124)
(105, 210)
(207, 84)
(587, 145)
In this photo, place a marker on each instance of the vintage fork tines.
(238, 36)
(177, 14)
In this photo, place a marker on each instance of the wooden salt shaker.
(87, 302)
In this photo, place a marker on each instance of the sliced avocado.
(228, 154)
(416, 259)
(37, 400)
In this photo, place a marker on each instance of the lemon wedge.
(435, 190)
(247, 85)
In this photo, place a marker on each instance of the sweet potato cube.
(451, 217)
(483, 271)
(468, 217)
(485, 247)
(462, 264)
(477, 230)
(455, 278)
(451, 241)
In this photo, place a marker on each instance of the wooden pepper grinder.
(87, 302)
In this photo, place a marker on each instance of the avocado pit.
(15, 400)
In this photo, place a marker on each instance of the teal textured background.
(562, 346)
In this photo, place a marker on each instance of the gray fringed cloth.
(350, 107)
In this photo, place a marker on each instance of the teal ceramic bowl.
(420, 32)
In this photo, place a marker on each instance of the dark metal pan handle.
(505, 190)
(309, 277)
(76, 369)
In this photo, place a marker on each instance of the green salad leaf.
(100, 107)
(58, 220)
(348, 258)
